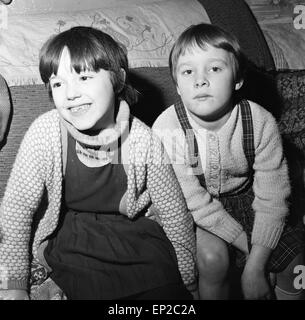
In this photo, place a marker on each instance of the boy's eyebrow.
(189, 62)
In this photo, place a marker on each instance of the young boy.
(229, 160)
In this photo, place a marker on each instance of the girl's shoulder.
(139, 130)
(49, 119)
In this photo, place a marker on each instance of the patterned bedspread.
(147, 30)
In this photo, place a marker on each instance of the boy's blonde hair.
(202, 35)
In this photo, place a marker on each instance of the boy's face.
(206, 82)
(86, 100)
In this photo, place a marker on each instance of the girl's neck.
(105, 136)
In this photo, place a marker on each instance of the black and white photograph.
(152, 150)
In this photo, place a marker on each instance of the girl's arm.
(22, 196)
(168, 200)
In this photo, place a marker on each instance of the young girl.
(229, 161)
(102, 172)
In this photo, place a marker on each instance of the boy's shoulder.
(167, 119)
(260, 115)
(259, 111)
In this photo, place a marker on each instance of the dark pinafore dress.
(239, 203)
(98, 253)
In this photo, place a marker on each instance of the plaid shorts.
(291, 243)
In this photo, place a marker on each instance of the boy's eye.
(187, 72)
(215, 69)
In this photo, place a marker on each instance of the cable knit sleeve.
(22, 196)
(271, 182)
(208, 212)
(168, 200)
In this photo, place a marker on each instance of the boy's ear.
(239, 84)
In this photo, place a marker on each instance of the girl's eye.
(84, 78)
(55, 85)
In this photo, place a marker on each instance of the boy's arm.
(271, 184)
(22, 195)
(208, 212)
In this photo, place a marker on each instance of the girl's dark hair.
(90, 49)
(202, 34)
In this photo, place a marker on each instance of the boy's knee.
(212, 262)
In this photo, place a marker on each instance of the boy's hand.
(253, 280)
(255, 285)
(14, 295)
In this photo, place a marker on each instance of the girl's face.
(206, 82)
(84, 99)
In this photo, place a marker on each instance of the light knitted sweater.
(227, 170)
(39, 165)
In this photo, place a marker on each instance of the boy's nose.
(201, 82)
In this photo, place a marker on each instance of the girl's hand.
(255, 285)
(14, 295)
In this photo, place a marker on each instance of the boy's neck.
(214, 125)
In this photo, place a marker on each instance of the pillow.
(291, 88)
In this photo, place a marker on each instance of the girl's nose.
(72, 91)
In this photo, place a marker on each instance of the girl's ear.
(239, 84)
(120, 81)
(123, 75)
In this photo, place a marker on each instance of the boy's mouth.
(202, 97)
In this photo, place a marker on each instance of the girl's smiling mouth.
(79, 109)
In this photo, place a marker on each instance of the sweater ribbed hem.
(228, 230)
(266, 235)
(13, 284)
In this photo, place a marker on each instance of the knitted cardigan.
(227, 170)
(39, 165)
